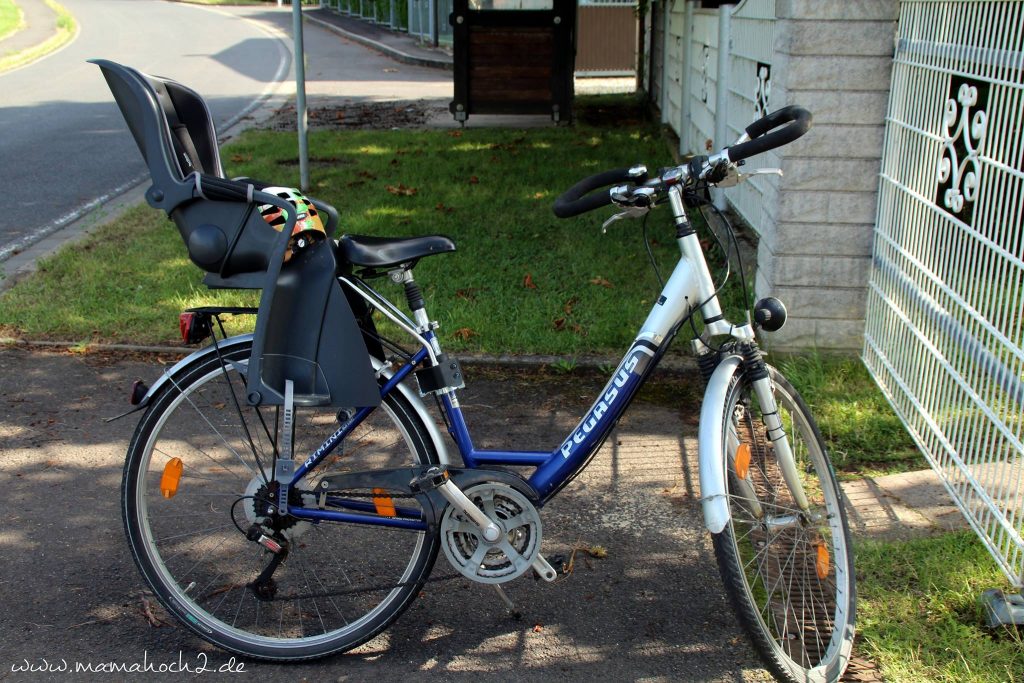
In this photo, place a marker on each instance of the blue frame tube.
(337, 437)
(335, 516)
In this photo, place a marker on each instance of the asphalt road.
(653, 609)
(63, 143)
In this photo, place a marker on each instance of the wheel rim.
(205, 570)
(795, 574)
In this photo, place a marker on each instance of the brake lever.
(631, 212)
(735, 177)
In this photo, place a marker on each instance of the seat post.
(414, 295)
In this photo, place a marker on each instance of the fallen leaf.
(367, 174)
(464, 333)
(528, 282)
(559, 324)
(455, 133)
(473, 180)
(238, 158)
(570, 304)
(467, 294)
(537, 628)
(444, 209)
(578, 329)
(401, 190)
(601, 282)
(540, 195)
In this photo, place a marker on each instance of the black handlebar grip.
(798, 120)
(576, 199)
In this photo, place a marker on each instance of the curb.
(381, 47)
(674, 365)
(55, 41)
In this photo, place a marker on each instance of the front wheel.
(196, 479)
(788, 572)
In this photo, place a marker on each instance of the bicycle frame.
(689, 287)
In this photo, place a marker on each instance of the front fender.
(231, 342)
(711, 446)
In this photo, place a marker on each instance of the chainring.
(516, 548)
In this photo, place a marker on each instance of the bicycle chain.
(369, 589)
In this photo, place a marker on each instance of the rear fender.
(233, 342)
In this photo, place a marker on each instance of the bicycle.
(271, 541)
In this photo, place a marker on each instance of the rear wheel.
(789, 573)
(340, 585)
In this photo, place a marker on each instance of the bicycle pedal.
(433, 478)
(558, 562)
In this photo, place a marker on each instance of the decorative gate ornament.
(705, 58)
(961, 175)
(763, 92)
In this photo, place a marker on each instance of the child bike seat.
(305, 329)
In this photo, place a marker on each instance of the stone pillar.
(833, 57)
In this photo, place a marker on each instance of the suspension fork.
(756, 371)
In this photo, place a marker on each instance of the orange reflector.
(822, 564)
(742, 462)
(171, 477)
(384, 503)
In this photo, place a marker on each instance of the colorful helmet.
(308, 226)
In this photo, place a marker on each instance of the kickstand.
(516, 614)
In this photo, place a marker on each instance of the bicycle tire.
(341, 584)
(790, 581)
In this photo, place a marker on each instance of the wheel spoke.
(806, 620)
(339, 584)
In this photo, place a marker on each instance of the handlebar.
(798, 120)
(761, 136)
(577, 200)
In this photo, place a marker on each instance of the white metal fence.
(945, 328)
(748, 85)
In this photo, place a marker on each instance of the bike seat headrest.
(171, 124)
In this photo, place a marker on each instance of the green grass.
(918, 615)
(864, 435)
(521, 281)
(66, 29)
(88, 292)
(10, 18)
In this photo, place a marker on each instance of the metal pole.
(684, 102)
(300, 94)
(666, 20)
(432, 5)
(722, 87)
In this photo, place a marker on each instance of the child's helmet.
(308, 226)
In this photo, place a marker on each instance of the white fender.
(227, 344)
(710, 447)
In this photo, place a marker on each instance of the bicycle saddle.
(388, 252)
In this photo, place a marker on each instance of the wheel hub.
(260, 507)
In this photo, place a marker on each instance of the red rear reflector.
(185, 321)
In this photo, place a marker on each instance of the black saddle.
(384, 252)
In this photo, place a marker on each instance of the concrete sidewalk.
(396, 44)
(39, 24)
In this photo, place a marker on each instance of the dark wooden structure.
(514, 61)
